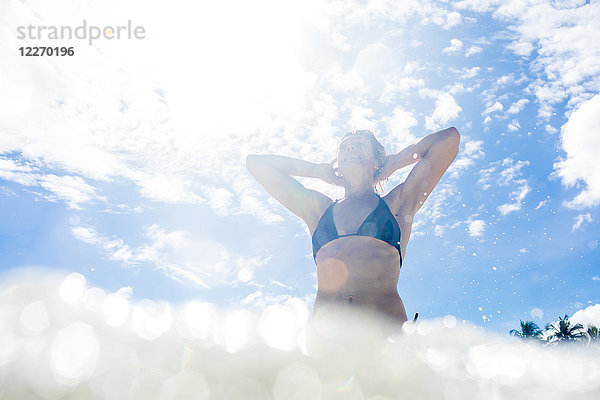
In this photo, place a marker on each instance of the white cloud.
(567, 53)
(20, 173)
(541, 204)
(580, 219)
(505, 80)
(114, 248)
(580, 139)
(86, 234)
(471, 72)
(517, 106)
(168, 189)
(514, 126)
(219, 199)
(493, 107)
(472, 150)
(507, 173)
(473, 50)
(111, 116)
(121, 116)
(511, 170)
(435, 208)
(430, 12)
(588, 316)
(180, 255)
(445, 110)
(398, 86)
(477, 5)
(7, 191)
(252, 298)
(439, 230)
(417, 226)
(517, 196)
(458, 88)
(372, 71)
(508, 176)
(400, 123)
(476, 227)
(252, 205)
(249, 264)
(74, 190)
(126, 292)
(455, 46)
(452, 19)
(345, 82)
(361, 116)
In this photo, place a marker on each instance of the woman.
(359, 241)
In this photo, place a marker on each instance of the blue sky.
(126, 162)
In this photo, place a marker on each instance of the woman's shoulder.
(394, 197)
(320, 204)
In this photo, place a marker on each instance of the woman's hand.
(327, 173)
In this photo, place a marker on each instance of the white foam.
(60, 339)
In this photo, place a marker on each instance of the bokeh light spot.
(297, 382)
(72, 288)
(333, 275)
(34, 318)
(151, 319)
(449, 321)
(74, 353)
(116, 310)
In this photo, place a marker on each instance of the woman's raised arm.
(275, 173)
(434, 153)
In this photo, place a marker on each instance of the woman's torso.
(361, 271)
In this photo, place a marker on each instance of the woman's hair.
(379, 153)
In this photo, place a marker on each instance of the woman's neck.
(358, 188)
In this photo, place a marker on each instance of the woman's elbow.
(451, 140)
(252, 159)
(452, 136)
(453, 133)
(256, 163)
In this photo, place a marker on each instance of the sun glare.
(245, 56)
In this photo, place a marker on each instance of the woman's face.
(355, 152)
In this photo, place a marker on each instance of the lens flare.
(151, 319)
(199, 319)
(236, 330)
(72, 288)
(75, 353)
(278, 327)
(116, 310)
(105, 346)
(93, 299)
(185, 386)
(34, 318)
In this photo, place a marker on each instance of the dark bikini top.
(380, 224)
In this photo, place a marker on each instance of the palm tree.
(592, 332)
(529, 330)
(565, 332)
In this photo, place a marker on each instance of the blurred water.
(61, 339)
